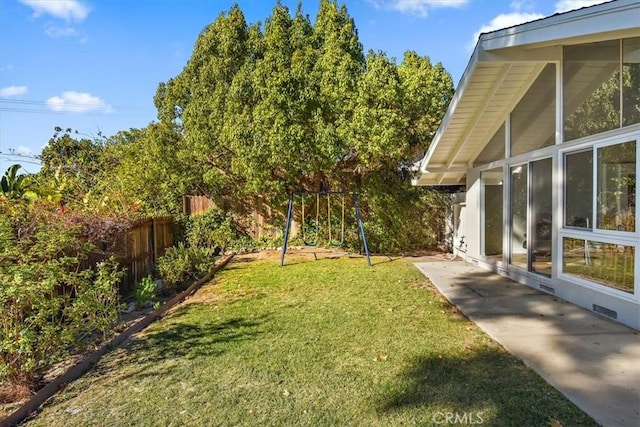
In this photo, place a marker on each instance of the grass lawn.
(317, 343)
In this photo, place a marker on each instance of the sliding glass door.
(531, 216)
(492, 220)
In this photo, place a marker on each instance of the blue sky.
(94, 65)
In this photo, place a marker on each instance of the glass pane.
(518, 238)
(604, 263)
(494, 149)
(631, 81)
(591, 88)
(541, 224)
(578, 192)
(617, 187)
(492, 204)
(533, 120)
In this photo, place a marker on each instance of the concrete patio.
(593, 361)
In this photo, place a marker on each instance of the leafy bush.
(180, 264)
(213, 229)
(145, 291)
(53, 292)
(400, 218)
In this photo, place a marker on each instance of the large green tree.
(196, 101)
(262, 110)
(149, 174)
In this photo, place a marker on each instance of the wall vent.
(546, 288)
(605, 311)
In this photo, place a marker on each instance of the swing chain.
(331, 242)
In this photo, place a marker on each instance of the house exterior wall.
(568, 184)
(611, 303)
(620, 306)
(547, 115)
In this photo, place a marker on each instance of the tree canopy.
(295, 104)
(263, 109)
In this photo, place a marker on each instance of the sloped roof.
(502, 67)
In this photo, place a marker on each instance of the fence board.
(196, 204)
(256, 219)
(145, 241)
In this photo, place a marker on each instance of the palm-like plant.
(15, 186)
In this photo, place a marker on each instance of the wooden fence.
(196, 204)
(145, 241)
(255, 220)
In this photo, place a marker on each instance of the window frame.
(623, 238)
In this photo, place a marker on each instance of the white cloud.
(69, 10)
(416, 7)
(524, 11)
(505, 20)
(59, 32)
(567, 5)
(78, 102)
(11, 91)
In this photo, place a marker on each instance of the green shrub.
(145, 291)
(180, 227)
(212, 229)
(53, 296)
(181, 264)
(399, 217)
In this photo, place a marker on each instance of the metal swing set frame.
(343, 194)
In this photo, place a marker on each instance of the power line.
(21, 161)
(41, 111)
(50, 104)
(12, 153)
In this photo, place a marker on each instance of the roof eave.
(578, 26)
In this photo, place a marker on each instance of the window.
(519, 196)
(533, 119)
(591, 89)
(578, 197)
(540, 209)
(609, 264)
(601, 87)
(631, 81)
(532, 216)
(615, 173)
(494, 149)
(616, 176)
(600, 211)
(492, 208)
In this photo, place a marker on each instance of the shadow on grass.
(186, 335)
(202, 337)
(196, 335)
(487, 386)
(389, 259)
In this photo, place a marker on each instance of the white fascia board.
(614, 16)
(464, 81)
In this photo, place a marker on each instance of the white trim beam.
(489, 97)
